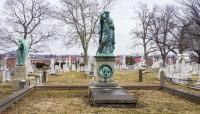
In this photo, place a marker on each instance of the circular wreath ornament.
(105, 71)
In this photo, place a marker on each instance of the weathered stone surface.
(104, 84)
(111, 96)
(21, 73)
(103, 60)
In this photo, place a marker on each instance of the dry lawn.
(5, 90)
(126, 77)
(76, 102)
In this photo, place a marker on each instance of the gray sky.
(123, 17)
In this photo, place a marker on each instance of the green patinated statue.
(21, 52)
(106, 35)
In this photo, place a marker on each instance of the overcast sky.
(123, 16)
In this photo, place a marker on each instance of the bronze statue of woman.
(106, 35)
(21, 52)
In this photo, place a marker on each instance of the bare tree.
(82, 17)
(180, 33)
(25, 17)
(163, 25)
(145, 16)
(5, 40)
(193, 8)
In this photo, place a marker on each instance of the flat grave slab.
(119, 96)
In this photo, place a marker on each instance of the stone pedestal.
(104, 60)
(20, 74)
(103, 90)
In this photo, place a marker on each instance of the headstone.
(29, 65)
(124, 62)
(195, 68)
(70, 63)
(37, 78)
(73, 67)
(160, 70)
(162, 78)
(32, 81)
(78, 67)
(2, 65)
(22, 84)
(60, 62)
(6, 76)
(182, 71)
(57, 69)
(52, 67)
(66, 68)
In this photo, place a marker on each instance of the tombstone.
(82, 67)
(29, 65)
(60, 62)
(70, 63)
(7, 75)
(78, 67)
(65, 68)
(57, 69)
(160, 70)
(195, 68)
(182, 71)
(170, 71)
(73, 67)
(52, 67)
(2, 65)
(35, 79)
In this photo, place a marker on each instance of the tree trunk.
(85, 56)
(164, 59)
(145, 56)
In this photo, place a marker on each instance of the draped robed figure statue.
(21, 52)
(106, 35)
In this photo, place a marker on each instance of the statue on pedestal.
(21, 52)
(106, 35)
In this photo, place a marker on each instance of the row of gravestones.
(29, 79)
(69, 66)
(181, 72)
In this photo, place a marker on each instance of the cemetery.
(162, 76)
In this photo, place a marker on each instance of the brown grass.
(122, 77)
(76, 102)
(5, 90)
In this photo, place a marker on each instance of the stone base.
(103, 60)
(103, 84)
(102, 93)
(111, 96)
(21, 73)
(16, 84)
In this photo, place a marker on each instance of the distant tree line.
(169, 28)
